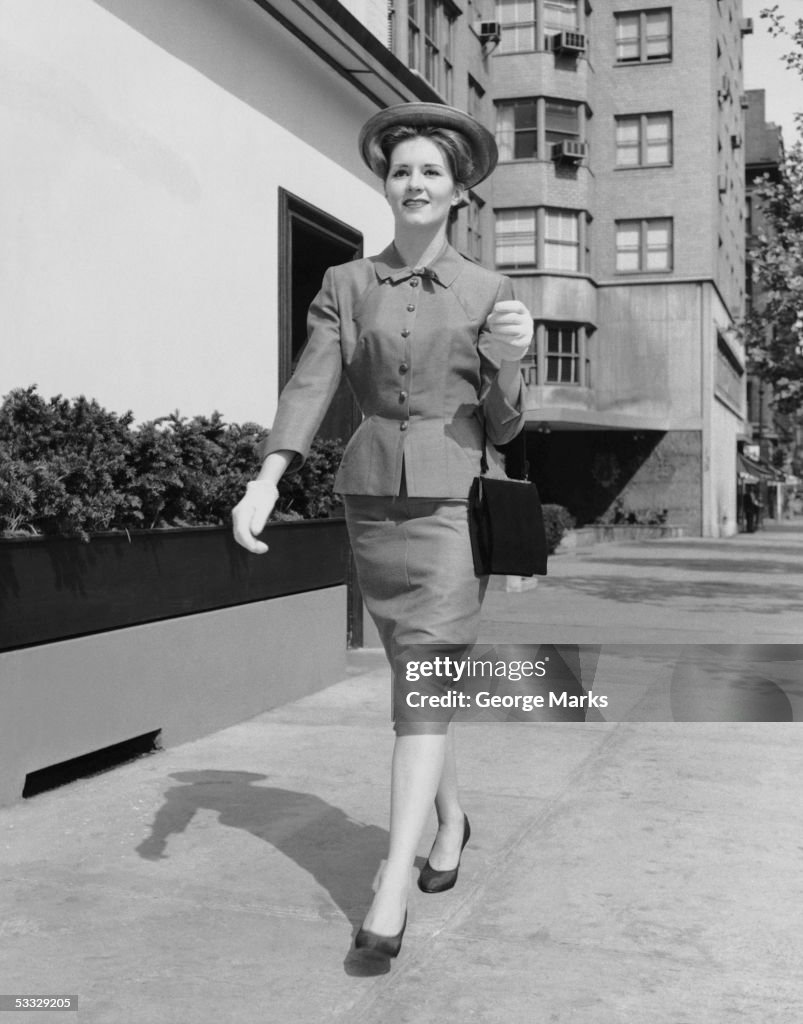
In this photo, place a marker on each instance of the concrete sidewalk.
(742, 589)
(618, 872)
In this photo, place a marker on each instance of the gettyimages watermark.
(510, 682)
(605, 682)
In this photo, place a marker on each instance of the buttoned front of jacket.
(408, 341)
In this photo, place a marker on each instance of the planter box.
(179, 633)
(54, 588)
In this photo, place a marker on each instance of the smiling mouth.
(415, 202)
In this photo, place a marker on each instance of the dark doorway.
(311, 241)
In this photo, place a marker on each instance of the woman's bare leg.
(418, 762)
(445, 852)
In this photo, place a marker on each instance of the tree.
(773, 329)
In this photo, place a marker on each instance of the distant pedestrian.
(752, 507)
(431, 345)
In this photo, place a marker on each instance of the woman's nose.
(415, 182)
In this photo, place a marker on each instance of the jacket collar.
(444, 268)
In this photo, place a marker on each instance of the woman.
(431, 345)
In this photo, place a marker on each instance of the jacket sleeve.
(503, 419)
(307, 395)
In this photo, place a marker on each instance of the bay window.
(543, 238)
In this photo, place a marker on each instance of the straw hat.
(429, 115)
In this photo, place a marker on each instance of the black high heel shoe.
(431, 880)
(381, 945)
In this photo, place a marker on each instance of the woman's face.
(419, 186)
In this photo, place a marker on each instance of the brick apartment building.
(619, 204)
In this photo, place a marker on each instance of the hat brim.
(431, 115)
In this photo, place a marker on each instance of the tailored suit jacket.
(409, 343)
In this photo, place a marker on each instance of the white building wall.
(139, 178)
(373, 14)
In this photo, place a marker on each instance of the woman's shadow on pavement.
(339, 852)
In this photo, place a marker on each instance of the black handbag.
(506, 524)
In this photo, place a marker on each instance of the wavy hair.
(453, 144)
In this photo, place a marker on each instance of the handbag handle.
(520, 449)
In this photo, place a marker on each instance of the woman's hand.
(508, 332)
(251, 514)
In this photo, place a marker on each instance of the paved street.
(619, 871)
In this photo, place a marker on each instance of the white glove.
(251, 514)
(509, 330)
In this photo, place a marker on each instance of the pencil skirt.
(416, 573)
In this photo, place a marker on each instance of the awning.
(752, 472)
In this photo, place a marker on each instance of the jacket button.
(403, 368)
(402, 396)
(405, 333)
(411, 308)
(403, 425)
(413, 282)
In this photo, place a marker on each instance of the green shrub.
(308, 493)
(557, 522)
(63, 466)
(72, 468)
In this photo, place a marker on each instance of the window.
(643, 140)
(644, 245)
(560, 16)
(559, 355)
(643, 36)
(474, 229)
(562, 355)
(431, 40)
(729, 374)
(517, 126)
(562, 121)
(515, 238)
(516, 130)
(447, 32)
(561, 240)
(430, 45)
(475, 94)
(413, 35)
(658, 35)
(543, 237)
(448, 81)
(517, 18)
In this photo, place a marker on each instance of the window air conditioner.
(569, 151)
(569, 42)
(746, 26)
(722, 183)
(488, 31)
(736, 142)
